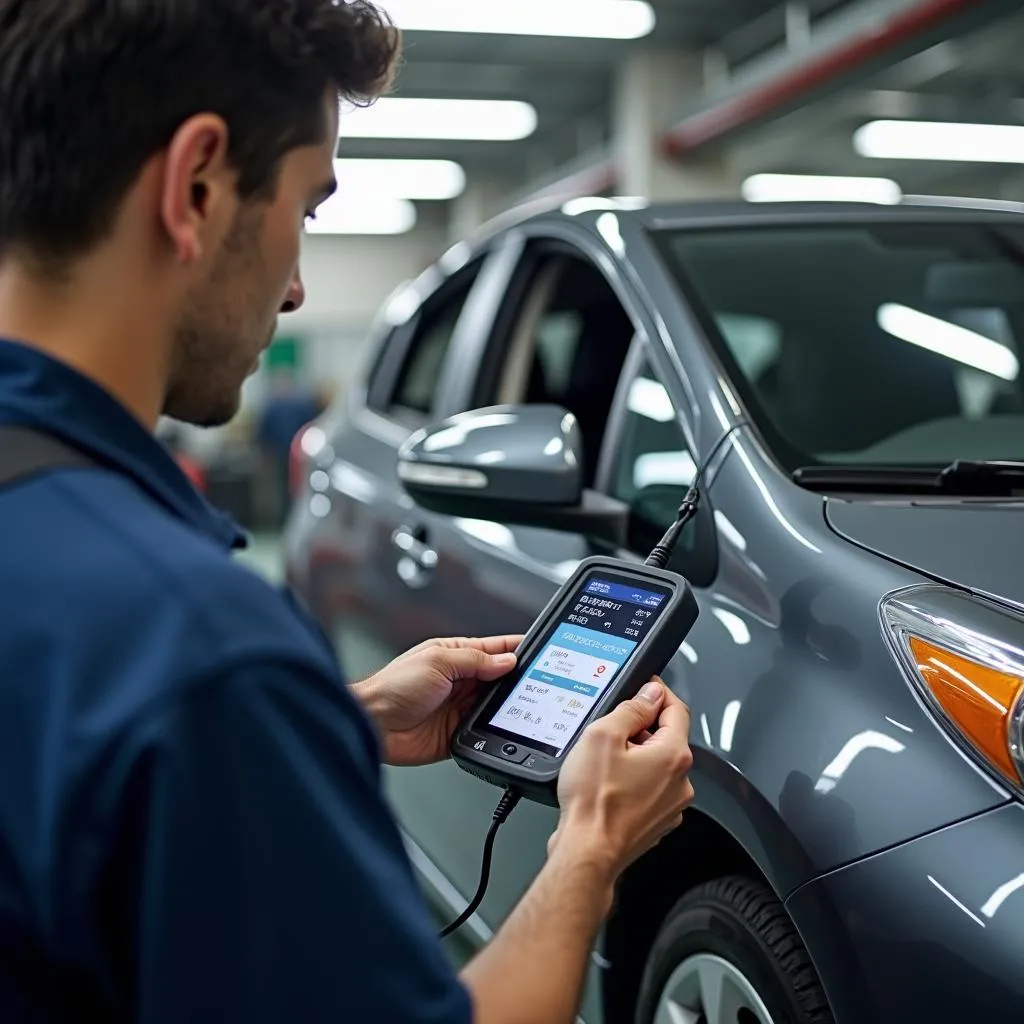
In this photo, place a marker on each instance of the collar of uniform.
(38, 391)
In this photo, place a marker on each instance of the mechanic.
(192, 825)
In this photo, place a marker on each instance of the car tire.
(734, 936)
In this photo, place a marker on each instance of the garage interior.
(565, 105)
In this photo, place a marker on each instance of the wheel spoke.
(672, 1013)
(721, 997)
(706, 989)
(712, 991)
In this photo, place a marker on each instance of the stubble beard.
(217, 338)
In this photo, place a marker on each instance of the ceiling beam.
(844, 50)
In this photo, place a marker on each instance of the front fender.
(810, 746)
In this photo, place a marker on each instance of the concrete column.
(651, 89)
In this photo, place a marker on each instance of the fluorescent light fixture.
(578, 19)
(790, 188)
(941, 140)
(344, 214)
(400, 179)
(396, 117)
(949, 340)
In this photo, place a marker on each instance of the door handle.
(418, 559)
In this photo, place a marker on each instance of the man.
(191, 820)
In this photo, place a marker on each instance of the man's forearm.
(534, 969)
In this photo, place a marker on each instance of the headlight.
(966, 658)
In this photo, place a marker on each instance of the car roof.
(737, 213)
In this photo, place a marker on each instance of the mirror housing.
(521, 465)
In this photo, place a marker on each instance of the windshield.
(884, 343)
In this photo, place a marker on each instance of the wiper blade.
(962, 477)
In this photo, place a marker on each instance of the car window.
(565, 344)
(867, 343)
(653, 467)
(433, 329)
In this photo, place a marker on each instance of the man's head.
(189, 139)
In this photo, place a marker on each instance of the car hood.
(972, 544)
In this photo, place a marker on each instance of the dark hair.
(90, 90)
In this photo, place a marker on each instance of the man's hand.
(419, 699)
(623, 789)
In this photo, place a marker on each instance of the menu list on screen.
(602, 626)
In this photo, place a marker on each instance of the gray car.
(856, 849)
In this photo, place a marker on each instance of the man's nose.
(296, 295)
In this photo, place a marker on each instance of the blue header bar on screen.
(622, 592)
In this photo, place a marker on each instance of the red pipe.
(708, 125)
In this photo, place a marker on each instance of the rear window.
(867, 343)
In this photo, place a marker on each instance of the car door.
(387, 586)
(562, 336)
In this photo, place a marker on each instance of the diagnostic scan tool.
(610, 628)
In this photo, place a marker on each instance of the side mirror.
(518, 465)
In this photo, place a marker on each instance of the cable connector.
(662, 552)
(506, 805)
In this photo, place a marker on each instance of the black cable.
(506, 805)
(662, 551)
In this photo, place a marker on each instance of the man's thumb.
(642, 711)
(472, 663)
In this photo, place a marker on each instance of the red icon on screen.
(600, 670)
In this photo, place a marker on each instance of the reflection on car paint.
(852, 749)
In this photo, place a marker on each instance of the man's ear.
(198, 200)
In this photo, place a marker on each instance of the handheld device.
(609, 628)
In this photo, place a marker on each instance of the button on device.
(511, 752)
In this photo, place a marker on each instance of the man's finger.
(674, 720)
(500, 644)
(634, 716)
(488, 644)
(472, 663)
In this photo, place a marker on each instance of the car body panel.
(944, 910)
(974, 544)
(790, 635)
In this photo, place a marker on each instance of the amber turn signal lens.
(979, 700)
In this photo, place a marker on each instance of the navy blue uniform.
(192, 827)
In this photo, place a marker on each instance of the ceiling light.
(788, 188)
(346, 215)
(949, 340)
(940, 140)
(396, 117)
(580, 19)
(401, 179)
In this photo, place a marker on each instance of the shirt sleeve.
(270, 880)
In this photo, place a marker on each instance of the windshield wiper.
(962, 477)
